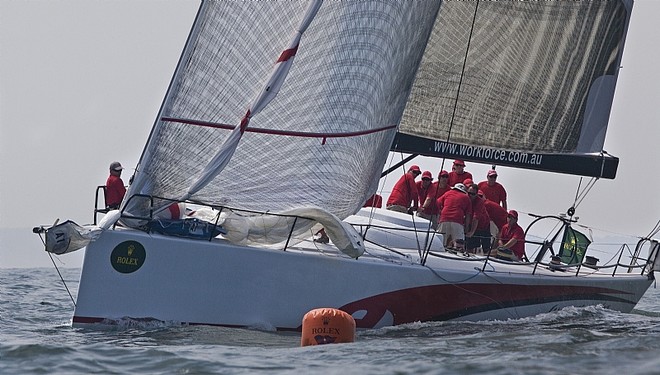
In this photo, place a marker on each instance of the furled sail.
(522, 83)
(322, 141)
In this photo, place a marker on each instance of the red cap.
(513, 213)
(427, 174)
(459, 162)
(491, 173)
(443, 173)
(414, 168)
(467, 182)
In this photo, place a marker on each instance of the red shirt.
(440, 191)
(455, 178)
(495, 193)
(514, 232)
(434, 192)
(114, 191)
(404, 192)
(428, 192)
(496, 213)
(479, 213)
(454, 206)
(374, 201)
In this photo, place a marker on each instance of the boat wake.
(593, 320)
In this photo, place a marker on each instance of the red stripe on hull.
(444, 302)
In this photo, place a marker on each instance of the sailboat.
(278, 123)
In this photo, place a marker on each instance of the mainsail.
(322, 141)
(521, 83)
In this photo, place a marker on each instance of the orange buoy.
(327, 326)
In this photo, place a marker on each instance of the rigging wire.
(427, 246)
(61, 278)
(58, 272)
(655, 230)
(577, 191)
(397, 165)
(458, 91)
(460, 81)
(581, 195)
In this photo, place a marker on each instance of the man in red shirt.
(493, 190)
(423, 185)
(513, 236)
(114, 187)
(455, 214)
(427, 196)
(496, 213)
(478, 234)
(442, 185)
(404, 192)
(458, 173)
(437, 189)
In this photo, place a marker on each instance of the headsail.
(265, 96)
(521, 83)
(323, 140)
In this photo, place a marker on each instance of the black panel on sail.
(526, 84)
(591, 165)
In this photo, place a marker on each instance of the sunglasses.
(426, 179)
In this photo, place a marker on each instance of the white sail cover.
(68, 236)
(322, 141)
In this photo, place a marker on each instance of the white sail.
(266, 95)
(328, 131)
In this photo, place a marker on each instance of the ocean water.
(36, 338)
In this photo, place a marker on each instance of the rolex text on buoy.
(327, 326)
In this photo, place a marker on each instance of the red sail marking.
(287, 54)
(275, 131)
(245, 121)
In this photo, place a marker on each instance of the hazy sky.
(81, 83)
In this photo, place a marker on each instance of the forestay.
(322, 141)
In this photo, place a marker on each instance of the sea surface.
(36, 337)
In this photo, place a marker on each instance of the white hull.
(217, 283)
